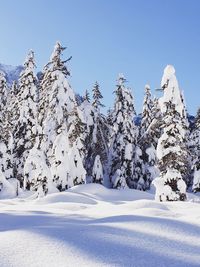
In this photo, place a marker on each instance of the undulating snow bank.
(90, 225)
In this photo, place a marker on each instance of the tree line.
(51, 139)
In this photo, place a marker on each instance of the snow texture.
(92, 226)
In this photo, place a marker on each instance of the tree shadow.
(111, 245)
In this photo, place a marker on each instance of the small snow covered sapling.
(97, 172)
(118, 180)
(170, 186)
(8, 187)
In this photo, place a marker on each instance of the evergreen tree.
(97, 96)
(86, 96)
(6, 164)
(37, 173)
(4, 93)
(147, 142)
(146, 111)
(124, 135)
(138, 173)
(13, 111)
(195, 152)
(25, 129)
(96, 141)
(154, 130)
(171, 149)
(61, 119)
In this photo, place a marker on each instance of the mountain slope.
(12, 72)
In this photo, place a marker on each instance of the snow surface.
(91, 226)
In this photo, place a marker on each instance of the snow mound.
(65, 197)
(102, 193)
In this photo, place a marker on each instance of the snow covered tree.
(8, 187)
(60, 168)
(96, 141)
(54, 74)
(86, 96)
(3, 93)
(37, 173)
(60, 118)
(12, 110)
(154, 130)
(124, 135)
(25, 129)
(58, 104)
(194, 146)
(97, 171)
(139, 171)
(146, 111)
(118, 180)
(6, 140)
(77, 171)
(88, 114)
(147, 142)
(100, 131)
(97, 96)
(171, 149)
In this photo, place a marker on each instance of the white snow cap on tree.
(97, 172)
(172, 93)
(121, 79)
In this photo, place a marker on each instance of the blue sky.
(106, 37)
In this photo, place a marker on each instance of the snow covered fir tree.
(172, 147)
(123, 139)
(53, 139)
(194, 146)
(25, 125)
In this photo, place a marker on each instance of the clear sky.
(106, 37)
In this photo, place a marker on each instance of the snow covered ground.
(93, 226)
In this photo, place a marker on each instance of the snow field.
(90, 225)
